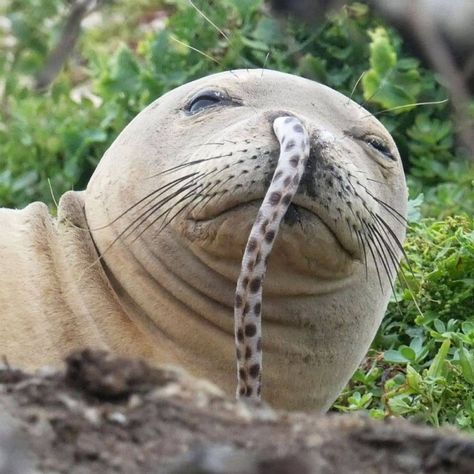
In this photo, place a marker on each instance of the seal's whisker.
(364, 251)
(379, 250)
(190, 163)
(392, 239)
(236, 164)
(144, 216)
(376, 181)
(265, 62)
(152, 210)
(219, 194)
(209, 20)
(352, 230)
(199, 161)
(217, 183)
(191, 193)
(165, 213)
(122, 233)
(221, 185)
(196, 202)
(176, 214)
(355, 86)
(163, 188)
(399, 217)
(405, 106)
(382, 244)
(396, 240)
(200, 201)
(208, 56)
(393, 260)
(139, 221)
(368, 240)
(382, 85)
(396, 214)
(387, 242)
(190, 178)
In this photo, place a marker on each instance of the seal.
(145, 261)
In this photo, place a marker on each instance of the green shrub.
(422, 360)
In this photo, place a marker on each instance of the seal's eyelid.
(209, 98)
(205, 99)
(380, 145)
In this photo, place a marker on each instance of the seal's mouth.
(300, 218)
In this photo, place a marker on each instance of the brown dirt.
(107, 415)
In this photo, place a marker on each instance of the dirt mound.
(106, 414)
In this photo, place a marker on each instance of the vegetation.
(422, 361)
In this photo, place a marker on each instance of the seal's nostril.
(274, 114)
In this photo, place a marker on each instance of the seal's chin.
(305, 244)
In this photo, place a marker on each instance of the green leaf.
(245, 7)
(466, 359)
(414, 379)
(439, 326)
(394, 356)
(414, 208)
(387, 83)
(382, 54)
(125, 72)
(313, 68)
(468, 326)
(268, 32)
(437, 366)
(408, 353)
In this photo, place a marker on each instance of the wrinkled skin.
(164, 288)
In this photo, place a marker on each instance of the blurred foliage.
(121, 66)
(422, 363)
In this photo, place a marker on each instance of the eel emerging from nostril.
(294, 153)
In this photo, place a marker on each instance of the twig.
(438, 54)
(66, 42)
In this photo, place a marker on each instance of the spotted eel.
(294, 153)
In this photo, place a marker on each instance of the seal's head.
(175, 196)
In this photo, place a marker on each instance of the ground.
(104, 415)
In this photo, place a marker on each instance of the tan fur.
(167, 295)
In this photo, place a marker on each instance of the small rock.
(15, 458)
(107, 377)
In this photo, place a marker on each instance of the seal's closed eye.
(209, 98)
(204, 100)
(379, 145)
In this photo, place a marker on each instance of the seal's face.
(188, 174)
(224, 170)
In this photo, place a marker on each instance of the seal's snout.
(322, 170)
(316, 167)
(272, 115)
